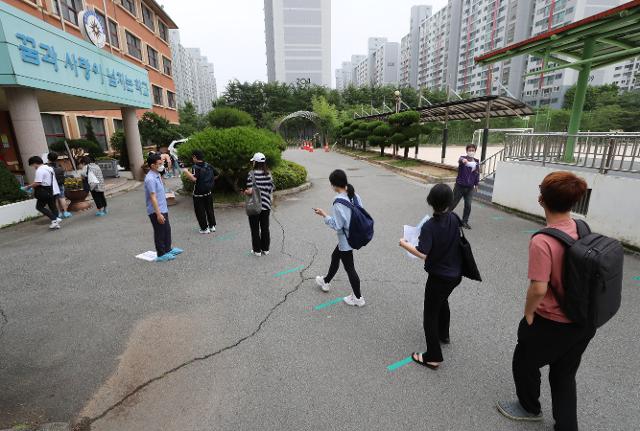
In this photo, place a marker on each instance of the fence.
(604, 152)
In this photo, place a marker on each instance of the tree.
(380, 135)
(156, 130)
(406, 129)
(119, 143)
(328, 115)
(190, 121)
(596, 96)
(224, 118)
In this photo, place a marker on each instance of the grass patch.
(228, 198)
(405, 163)
(382, 158)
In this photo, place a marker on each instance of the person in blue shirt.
(466, 183)
(340, 223)
(438, 246)
(157, 209)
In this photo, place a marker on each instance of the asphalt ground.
(220, 340)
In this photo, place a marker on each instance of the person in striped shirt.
(260, 236)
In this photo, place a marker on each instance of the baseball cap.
(258, 157)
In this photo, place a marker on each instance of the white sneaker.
(55, 224)
(256, 253)
(265, 253)
(352, 300)
(320, 282)
(212, 229)
(58, 219)
(204, 231)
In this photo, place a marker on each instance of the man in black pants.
(466, 182)
(546, 336)
(45, 188)
(204, 176)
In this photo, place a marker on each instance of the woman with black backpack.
(340, 223)
(204, 176)
(439, 248)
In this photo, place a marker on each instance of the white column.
(27, 125)
(134, 146)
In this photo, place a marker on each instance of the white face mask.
(471, 153)
(161, 168)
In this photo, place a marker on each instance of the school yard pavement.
(220, 340)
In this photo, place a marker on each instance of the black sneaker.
(466, 225)
(514, 411)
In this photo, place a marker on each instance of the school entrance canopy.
(597, 41)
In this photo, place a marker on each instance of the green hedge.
(10, 187)
(92, 148)
(288, 175)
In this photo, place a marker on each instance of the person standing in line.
(92, 173)
(259, 224)
(45, 188)
(438, 247)
(157, 209)
(466, 183)
(52, 157)
(546, 336)
(340, 223)
(204, 176)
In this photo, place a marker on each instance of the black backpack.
(205, 179)
(592, 275)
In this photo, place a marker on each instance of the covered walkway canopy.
(593, 42)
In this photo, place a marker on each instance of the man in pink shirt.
(545, 335)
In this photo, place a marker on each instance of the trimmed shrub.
(230, 150)
(288, 175)
(10, 187)
(119, 144)
(90, 147)
(224, 118)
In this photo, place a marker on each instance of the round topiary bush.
(92, 148)
(224, 117)
(10, 187)
(230, 150)
(288, 175)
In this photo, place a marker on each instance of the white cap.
(258, 157)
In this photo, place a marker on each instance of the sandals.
(414, 357)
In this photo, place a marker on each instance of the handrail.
(488, 166)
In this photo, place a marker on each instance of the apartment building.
(361, 76)
(193, 74)
(343, 75)
(439, 45)
(405, 62)
(298, 41)
(418, 14)
(385, 61)
(98, 62)
(549, 89)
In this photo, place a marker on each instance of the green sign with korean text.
(38, 55)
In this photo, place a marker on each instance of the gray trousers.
(460, 192)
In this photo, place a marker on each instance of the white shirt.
(46, 177)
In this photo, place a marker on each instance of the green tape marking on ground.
(637, 278)
(288, 271)
(326, 304)
(399, 364)
(530, 231)
(498, 218)
(226, 236)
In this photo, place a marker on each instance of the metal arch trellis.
(307, 115)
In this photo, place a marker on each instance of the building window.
(166, 66)
(153, 57)
(53, 128)
(147, 18)
(118, 124)
(130, 5)
(157, 95)
(98, 129)
(163, 31)
(70, 10)
(113, 32)
(171, 99)
(134, 46)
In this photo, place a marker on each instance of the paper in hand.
(412, 233)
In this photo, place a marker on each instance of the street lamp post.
(398, 97)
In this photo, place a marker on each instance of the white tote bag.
(92, 179)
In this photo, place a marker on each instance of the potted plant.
(75, 192)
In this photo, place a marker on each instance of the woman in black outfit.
(438, 247)
(259, 224)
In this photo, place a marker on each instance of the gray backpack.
(254, 202)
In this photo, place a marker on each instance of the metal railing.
(604, 152)
(489, 165)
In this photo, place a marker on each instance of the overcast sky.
(231, 32)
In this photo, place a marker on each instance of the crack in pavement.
(3, 321)
(144, 385)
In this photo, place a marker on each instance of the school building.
(67, 63)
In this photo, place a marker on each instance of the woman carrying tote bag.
(259, 191)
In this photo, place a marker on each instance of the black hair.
(440, 198)
(471, 146)
(52, 156)
(85, 160)
(152, 158)
(199, 155)
(35, 160)
(338, 178)
(261, 166)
